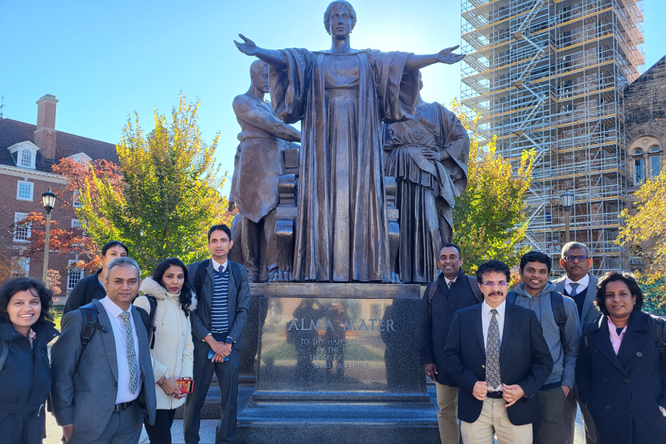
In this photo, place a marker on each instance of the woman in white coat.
(173, 350)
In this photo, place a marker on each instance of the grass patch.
(56, 310)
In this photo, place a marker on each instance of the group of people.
(125, 360)
(519, 363)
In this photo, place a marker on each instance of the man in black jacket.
(497, 354)
(453, 293)
(91, 287)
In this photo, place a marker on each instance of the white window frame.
(31, 185)
(26, 155)
(24, 264)
(70, 274)
(18, 217)
(76, 199)
(76, 223)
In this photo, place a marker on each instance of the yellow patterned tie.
(493, 376)
(131, 353)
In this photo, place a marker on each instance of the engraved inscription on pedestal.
(323, 344)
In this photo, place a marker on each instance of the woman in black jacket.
(619, 370)
(25, 375)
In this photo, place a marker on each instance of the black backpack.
(471, 281)
(557, 304)
(91, 323)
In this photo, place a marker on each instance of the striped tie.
(131, 353)
(493, 354)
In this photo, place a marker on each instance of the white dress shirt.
(450, 282)
(217, 265)
(582, 284)
(486, 317)
(124, 393)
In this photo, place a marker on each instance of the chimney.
(45, 134)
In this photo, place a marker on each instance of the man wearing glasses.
(498, 355)
(561, 329)
(581, 286)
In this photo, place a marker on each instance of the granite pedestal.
(338, 363)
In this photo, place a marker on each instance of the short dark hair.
(21, 284)
(493, 266)
(329, 11)
(451, 245)
(222, 227)
(535, 256)
(625, 277)
(112, 244)
(185, 297)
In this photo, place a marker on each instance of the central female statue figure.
(342, 95)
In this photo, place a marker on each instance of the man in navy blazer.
(522, 360)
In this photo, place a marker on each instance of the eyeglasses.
(491, 284)
(573, 258)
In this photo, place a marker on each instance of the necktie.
(493, 354)
(449, 284)
(574, 286)
(131, 352)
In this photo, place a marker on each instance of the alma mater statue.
(342, 95)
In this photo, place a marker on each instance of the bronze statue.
(258, 164)
(342, 95)
(428, 157)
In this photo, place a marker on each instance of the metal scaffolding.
(549, 75)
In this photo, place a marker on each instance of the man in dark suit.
(453, 292)
(223, 294)
(581, 286)
(101, 394)
(497, 354)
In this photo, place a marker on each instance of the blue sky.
(104, 60)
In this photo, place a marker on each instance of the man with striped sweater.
(223, 293)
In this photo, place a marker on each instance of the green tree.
(490, 217)
(165, 195)
(644, 231)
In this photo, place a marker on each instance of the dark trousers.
(548, 429)
(569, 419)
(227, 378)
(123, 428)
(160, 433)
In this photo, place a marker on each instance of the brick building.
(27, 153)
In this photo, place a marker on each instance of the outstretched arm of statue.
(271, 56)
(444, 56)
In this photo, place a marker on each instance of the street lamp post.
(48, 199)
(567, 199)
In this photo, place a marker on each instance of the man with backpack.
(92, 287)
(102, 377)
(558, 316)
(223, 295)
(452, 291)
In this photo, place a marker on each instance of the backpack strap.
(557, 304)
(474, 286)
(5, 351)
(432, 288)
(199, 276)
(147, 318)
(89, 325)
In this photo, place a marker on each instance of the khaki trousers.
(495, 420)
(447, 413)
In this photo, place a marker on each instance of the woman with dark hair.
(173, 349)
(619, 371)
(25, 375)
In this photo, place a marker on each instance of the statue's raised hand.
(247, 47)
(447, 56)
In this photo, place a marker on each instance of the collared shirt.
(124, 394)
(582, 284)
(450, 282)
(486, 316)
(217, 265)
(615, 338)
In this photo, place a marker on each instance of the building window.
(21, 232)
(639, 169)
(22, 267)
(655, 161)
(76, 199)
(76, 223)
(26, 159)
(74, 275)
(24, 190)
